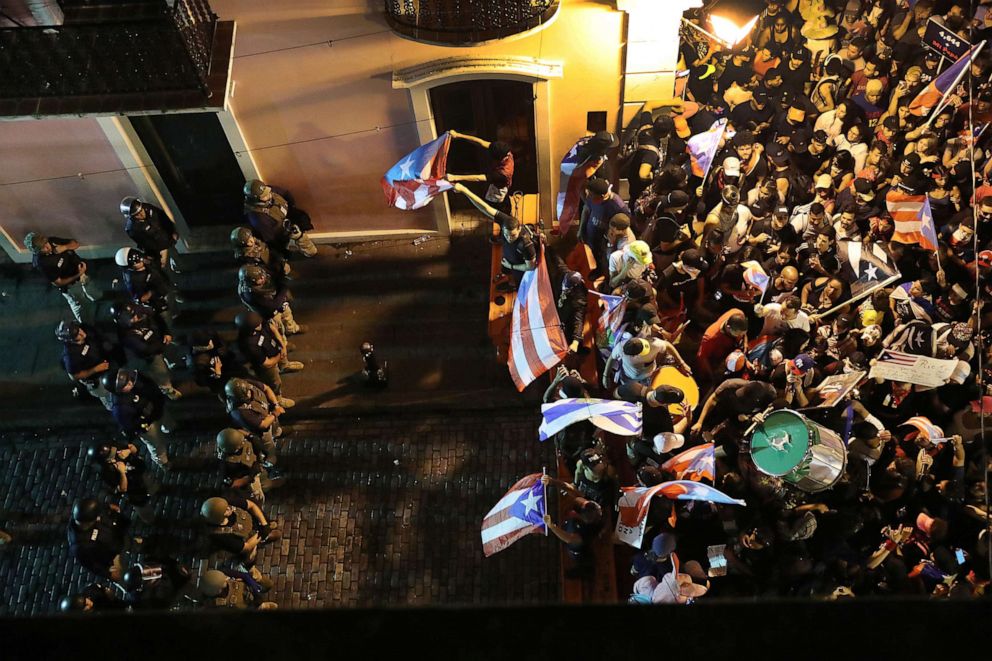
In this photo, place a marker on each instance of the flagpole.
(942, 104)
(544, 472)
(936, 251)
(889, 281)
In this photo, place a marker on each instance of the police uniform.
(242, 591)
(235, 532)
(247, 463)
(262, 345)
(270, 300)
(280, 225)
(155, 235)
(250, 414)
(151, 280)
(61, 265)
(98, 547)
(145, 339)
(141, 413)
(85, 356)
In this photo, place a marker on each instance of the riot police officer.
(253, 406)
(139, 409)
(151, 229)
(266, 350)
(124, 473)
(146, 283)
(239, 590)
(97, 536)
(86, 357)
(245, 462)
(93, 597)
(275, 219)
(145, 336)
(238, 526)
(249, 249)
(212, 363)
(268, 296)
(155, 583)
(56, 259)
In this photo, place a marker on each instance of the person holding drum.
(732, 407)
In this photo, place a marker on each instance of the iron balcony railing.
(467, 21)
(168, 49)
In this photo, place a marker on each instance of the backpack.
(800, 189)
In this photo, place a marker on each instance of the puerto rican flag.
(636, 501)
(419, 177)
(755, 275)
(611, 415)
(613, 309)
(695, 464)
(934, 93)
(912, 217)
(576, 170)
(927, 429)
(517, 514)
(537, 341)
(703, 148)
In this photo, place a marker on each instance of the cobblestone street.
(382, 511)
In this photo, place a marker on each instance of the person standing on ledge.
(499, 176)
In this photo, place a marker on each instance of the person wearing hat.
(272, 213)
(246, 462)
(731, 217)
(619, 235)
(678, 282)
(56, 259)
(499, 176)
(582, 523)
(267, 293)
(737, 402)
(86, 356)
(727, 333)
(634, 360)
(630, 263)
(146, 283)
(734, 83)
(151, 229)
(124, 474)
(97, 536)
(249, 249)
(659, 560)
(888, 132)
(792, 127)
(255, 408)
(235, 589)
(140, 412)
(797, 71)
(816, 153)
(572, 304)
(602, 204)
(646, 159)
(266, 350)
(655, 402)
(145, 336)
(756, 115)
(238, 526)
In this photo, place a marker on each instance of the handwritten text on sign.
(920, 370)
(944, 42)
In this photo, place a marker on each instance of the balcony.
(467, 22)
(157, 56)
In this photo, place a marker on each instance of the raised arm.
(476, 201)
(471, 138)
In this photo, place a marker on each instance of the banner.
(944, 42)
(907, 368)
(835, 388)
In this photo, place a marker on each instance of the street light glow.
(727, 30)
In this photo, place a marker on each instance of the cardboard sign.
(944, 42)
(908, 368)
(834, 388)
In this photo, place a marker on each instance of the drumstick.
(754, 424)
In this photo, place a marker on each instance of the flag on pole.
(703, 148)
(517, 514)
(865, 267)
(575, 165)
(419, 177)
(610, 319)
(611, 415)
(933, 94)
(755, 276)
(927, 429)
(695, 464)
(537, 341)
(912, 217)
(636, 501)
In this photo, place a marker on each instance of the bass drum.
(808, 456)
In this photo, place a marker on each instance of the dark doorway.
(492, 110)
(197, 164)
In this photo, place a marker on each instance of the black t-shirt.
(85, 356)
(735, 74)
(745, 116)
(260, 346)
(523, 249)
(154, 233)
(645, 154)
(58, 265)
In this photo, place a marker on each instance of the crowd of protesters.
(822, 138)
(130, 368)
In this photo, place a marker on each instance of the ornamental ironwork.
(459, 22)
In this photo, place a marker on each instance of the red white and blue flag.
(755, 276)
(695, 464)
(517, 514)
(613, 308)
(537, 341)
(912, 217)
(932, 95)
(576, 166)
(636, 501)
(419, 177)
(703, 148)
(927, 429)
(865, 268)
(611, 415)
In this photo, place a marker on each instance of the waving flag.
(537, 341)
(933, 94)
(636, 501)
(419, 177)
(703, 148)
(614, 416)
(610, 319)
(927, 429)
(576, 168)
(865, 269)
(912, 217)
(755, 276)
(698, 463)
(517, 514)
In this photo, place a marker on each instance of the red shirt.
(716, 345)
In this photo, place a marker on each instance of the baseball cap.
(820, 136)
(674, 199)
(663, 544)
(824, 181)
(605, 139)
(800, 364)
(640, 251)
(985, 259)
(777, 153)
(693, 258)
(891, 123)
(598, 186)
(736, 361)
(732, 166)
(667, 441)
(799, 143)
(863, 186)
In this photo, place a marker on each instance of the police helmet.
(72, 603)
(240, 237)
(214, 510)
(230, 440)
(67, 330)
(129, 205)
(123, 313)
(731, 195)
(86, 510)
(127, 257)
(238, 389)
(251, 272)
(254, 189)
(35, 242)
(131, 581)
(98, 453)
(248, 319)
(213, 583)
(117, 381)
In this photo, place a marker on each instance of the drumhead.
(670, 376)
(780, 443)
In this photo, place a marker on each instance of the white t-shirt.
(776, 324)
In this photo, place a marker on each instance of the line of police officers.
(131, 377)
